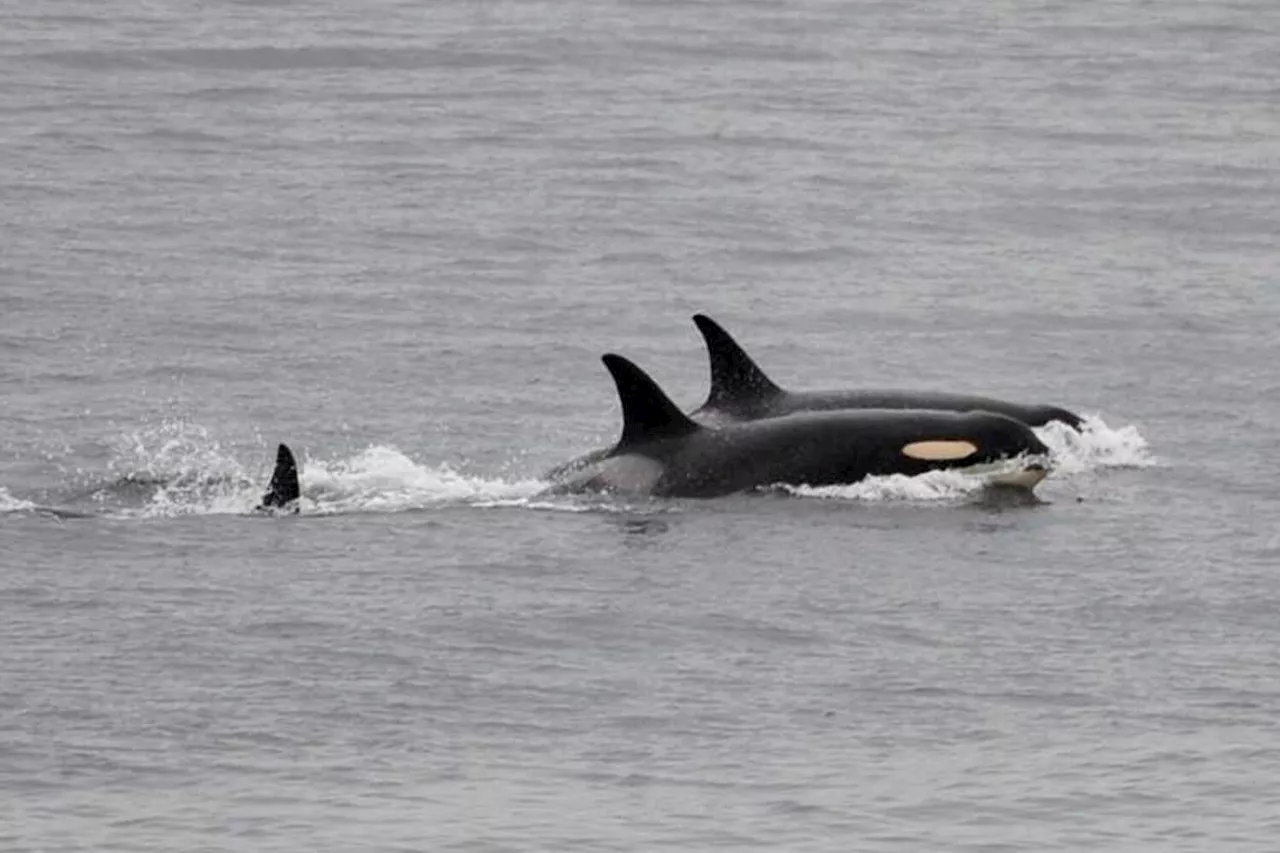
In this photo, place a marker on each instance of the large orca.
(665, 453)
(741, 391)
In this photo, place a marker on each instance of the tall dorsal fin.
(647, 412)
(735, 378)
(284, 481)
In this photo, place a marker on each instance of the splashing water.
(382, 479)
(179, 469)
(8, 503)
(174, 468)
(376, 480)
(930, 486)
(1095, 447)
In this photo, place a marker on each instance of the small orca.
(283, 491)
(741, 391)
(664, 453)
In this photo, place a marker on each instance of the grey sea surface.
(399, 236)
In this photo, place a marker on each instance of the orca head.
(982, 442)
(998, 438)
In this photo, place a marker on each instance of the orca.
(283, 491)
(663, 452)
(741, 391)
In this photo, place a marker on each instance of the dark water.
(399, 236)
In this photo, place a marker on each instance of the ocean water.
(399, 236)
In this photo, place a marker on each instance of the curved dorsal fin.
(284, 480)
(734, 376)
(647, 412)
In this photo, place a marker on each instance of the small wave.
(1095, 446)
(8, 503)
(382, 479)
(929, 486)
(173, 468)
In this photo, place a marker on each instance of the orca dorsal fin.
(284, 480)
(735, 378)
(647, 412)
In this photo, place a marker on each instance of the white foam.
(382, 479)
(929, 486)
(1095, 446)
(194, 475)
(173, 450)
(8, 503)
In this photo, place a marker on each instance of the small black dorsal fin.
(284, 480)
(735, 378)
(647, 412)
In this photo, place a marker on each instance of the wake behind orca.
(281, 498)
(662, 452)
(741, 391)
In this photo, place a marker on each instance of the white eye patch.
(939, 451)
